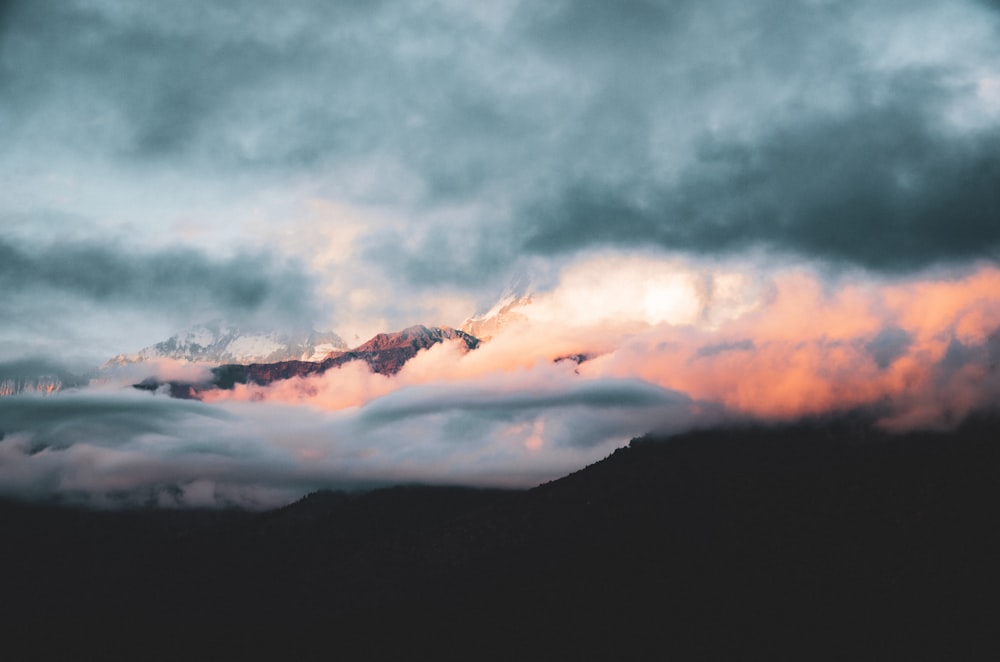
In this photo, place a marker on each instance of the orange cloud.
(810, 350)
(782, 345)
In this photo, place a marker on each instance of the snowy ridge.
(220, 343)
(504, 312)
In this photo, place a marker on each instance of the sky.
(738, 210)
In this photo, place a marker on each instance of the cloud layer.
(495, 141)
(768, 209)
(47, 285)
(557, 387)
(114, 448)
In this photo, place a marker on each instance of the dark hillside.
(819, 540)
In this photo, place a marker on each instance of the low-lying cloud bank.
(660, 344)
(123, 447)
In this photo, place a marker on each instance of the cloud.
(736, 336)
(127, 448)
(889, 345)
(258, 88)
(497, 397)
(59, 421)
(919, 350)
(914, 352)
(777, 209)
(34, 368)
(65, 298)
(735, 346)
(119, 448)
(173, 278)
(881, 186)
(704, 127)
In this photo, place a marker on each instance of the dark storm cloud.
(695, 126)
(175, 279)
(142, 84)
(882, 186)
(248, 87)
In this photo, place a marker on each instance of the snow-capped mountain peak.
(505, 311)
(219, 343)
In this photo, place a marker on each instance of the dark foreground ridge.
(822, 541)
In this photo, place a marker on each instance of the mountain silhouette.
(822, 539)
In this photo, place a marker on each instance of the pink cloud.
(808, 350)
(783, 346)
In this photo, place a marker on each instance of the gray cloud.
(122, 447)
(889, 345)
(607, 393)
(746, 345)
(82, 301)
(803, 127)
(60, 421)
(256, 87)
(34, 367)
(175, 279)
(883, 187)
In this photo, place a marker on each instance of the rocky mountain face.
(385, 354)
(220, 343)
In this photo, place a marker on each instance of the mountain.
(219, 343)
(819, 540)
(506, 311)
(385, 354)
